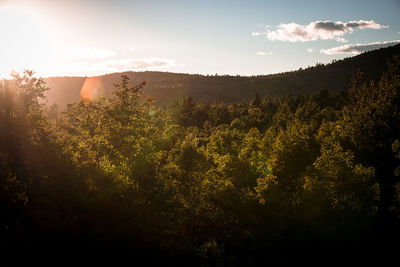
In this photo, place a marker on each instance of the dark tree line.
(276, 180)
(165, 87)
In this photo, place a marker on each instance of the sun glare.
(92, 89)
(26, 41)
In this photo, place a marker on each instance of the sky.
(235, 37)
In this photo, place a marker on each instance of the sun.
(25, 40)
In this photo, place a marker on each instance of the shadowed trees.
(210, 184)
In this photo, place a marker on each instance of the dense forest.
(166, 87)
(310, 178)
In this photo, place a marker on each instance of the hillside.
(165, 87)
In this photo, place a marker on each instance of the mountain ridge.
(166, 87)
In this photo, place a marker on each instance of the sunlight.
(199, 133)
(92, 89)
(26, 41)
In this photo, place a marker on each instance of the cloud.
(264, 53)
(103, 66)
(356, 49)
(257, 33)
(97, 61)
(142, 64)
(100, 58)
(317, 30)
(92, 53)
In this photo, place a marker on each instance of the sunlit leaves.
(203, 178)
(346, 184)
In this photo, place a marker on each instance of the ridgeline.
(166, 87)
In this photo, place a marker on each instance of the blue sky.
(207, 37)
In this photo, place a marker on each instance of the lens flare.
(92, 90)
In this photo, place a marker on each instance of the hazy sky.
(246, 37)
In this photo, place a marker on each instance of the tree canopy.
(203, 184)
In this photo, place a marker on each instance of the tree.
(372, 125)
(292, 152)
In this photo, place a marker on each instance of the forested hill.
(166, 87)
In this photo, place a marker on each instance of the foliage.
(218, 184)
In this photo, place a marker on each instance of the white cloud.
(317, 30)
(309, 50)
(264, 53)
(141, 64)
(91, 53)
(100, 66)
(356, 49)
